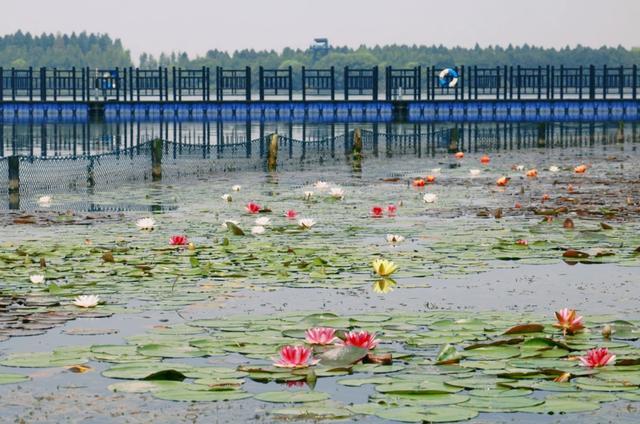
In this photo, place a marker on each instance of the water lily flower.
(258, 229)
(253, 207)
(384, 286)
(321, 185)
(580, 169)
(502, 181)
(459, 155)
(430, 197)
(383, 267)
(320, 336)
(474, 172)
(518, 205)
(308, 195)
(554, 168)
(362, 339)
(306, 223)
(485, 159)
(519, 167)
(85, 301)
(418, 182)
(44, 201)
(37, 278)
(394, 238)
(391, 210)
(146, 224)
(545, 197)
(436, 171)
(598, 357)
(430, 179)
(570, 188)
(376, 212)
(178, 240)
(236, 188)
(291, 214)
(336, 193)
(522, 242)
(263, 221)
(294, 357)
(226, 197)
(568, 321)
(191, 246)
(532, 173)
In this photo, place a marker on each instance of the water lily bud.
(192, 246)
(606, 331)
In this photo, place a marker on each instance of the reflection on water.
(39, 140)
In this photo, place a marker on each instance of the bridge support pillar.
(156, 159)
(272, 154)
(14, 182)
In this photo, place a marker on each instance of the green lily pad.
(292, 397)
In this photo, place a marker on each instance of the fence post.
(453, 140)
(304, 85)
(621, 82)
(497, 83)
(518, 81)
(605, 82)
(333, 83)
(539, 82)
(561, 82)
(580, 77)
(592, 82)
(272, 154)
(179, 85)
(2, 84)
(419, 81)
(542, 134)
(346, 83)
(74, 84)
(14, 182)
(475, 82)
(261, 83)
(173, 82)
(290, 83)
(248, 87)
(375, 82)
(620, 132)
(156, 159)
(387, 83)
(634, 83)
(43, 84)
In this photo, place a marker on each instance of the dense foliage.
(21, 50)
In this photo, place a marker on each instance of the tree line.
(22, 49)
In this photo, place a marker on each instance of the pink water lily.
(568, 321)
(391, 210)
(253, 207)
(362, 339)
(598, 357)
(320, 336)
(178, 240)
(291, 214)
(294, 357)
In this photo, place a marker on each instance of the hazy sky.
(198, 25)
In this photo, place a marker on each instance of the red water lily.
(518, 205)
(580, 169)
(376, 211)
(598, 357)
(430, 179)
(320, 335)
(459, 155)
(294, 357)
(362, 339)
(291, 214)
(178, 240)
(418, 182)
(391, 210)
(485, 159)
(545, 197)
(532, 173)
(522, 242)
(253, 207)
(568, 321)
(502, 181)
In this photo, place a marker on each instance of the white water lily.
(226, 227)
(337, 193)
(146, 224)
(236, 187)
(306, 223)
(554, 168)
(395, 238)
(86, 301)
(263, 221)
(258, 229)
(474, 172)
(226, 197)
(436, 170)
(45, 201)
(520, 168)
(430, 197)
(37, 279)
(321, 185)
(308, 195)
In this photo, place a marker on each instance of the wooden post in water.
(357, 150)
(453, 140)
(620, 132)
(542, 135)
(156, 159)
(272, 154)
(14, 182)
(90, 174)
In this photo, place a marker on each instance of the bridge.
(482, 93)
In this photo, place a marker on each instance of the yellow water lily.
(383, 267)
